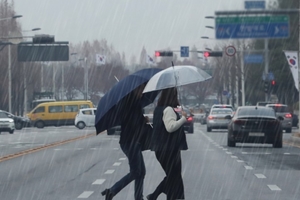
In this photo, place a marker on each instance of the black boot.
(108, 194)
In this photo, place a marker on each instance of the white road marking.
(240, 161)
(117, 164)
(110, 171)
(287, 153)
(248, 167)
(228, 152)
(99, 182)
(122, 159)
(116, 148)
(256, 153)
(234, 157)
(274, 188)
(260, 175)
(85, 194)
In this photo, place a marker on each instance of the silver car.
(217, 118)
(281, 110)
(7, 124)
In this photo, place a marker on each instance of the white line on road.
(116, 148)
(234, 157)
(286, 153)
(117, 164)
(260, 175)
(228, 152)
(110, 171)
(240, 161)
(122, 159)
(274, 188)
(85, 194)
(248, 167)
(99, 182)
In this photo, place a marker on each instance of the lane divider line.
(99, 182)
(28, 151)
(85, 194)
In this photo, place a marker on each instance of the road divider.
(28, 151)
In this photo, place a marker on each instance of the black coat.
(132, 120)
(162, 140)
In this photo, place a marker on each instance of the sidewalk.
(294, 139)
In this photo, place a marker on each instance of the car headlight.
(11, 120)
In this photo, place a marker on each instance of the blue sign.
(255, 5)
(252, 27)
(253, 58)
(184, 51)
(269, 77)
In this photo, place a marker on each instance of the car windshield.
(3, 115)
(280, 108)
(255, 112)
(221, 111)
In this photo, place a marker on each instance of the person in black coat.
(168, 140)
(132, 123)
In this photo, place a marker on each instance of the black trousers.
(172, 184)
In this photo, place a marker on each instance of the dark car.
(295, 120)
(255, 124)
(189, 124)
(20, 122)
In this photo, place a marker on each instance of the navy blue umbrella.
(107, 115)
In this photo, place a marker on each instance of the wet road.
(83, 168)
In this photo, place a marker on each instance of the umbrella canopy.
(107, 113)
(176, 76)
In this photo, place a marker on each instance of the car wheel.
(230, 143)
(208, 129)
(278, 140)
(18, 125)
(191, 129)
(110, 131)
(11, 131)
(40, 124)
(288, 130)
(80, 125)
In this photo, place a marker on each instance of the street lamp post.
(9, 64)
(86, 87)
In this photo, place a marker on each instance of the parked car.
(19, 121)
(217, 118)
(189, 124)
(255, 124)
(7, 123)
(283, 111)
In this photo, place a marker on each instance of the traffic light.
(163, 53)
(266, 86)
(212, 54)
(273, 82)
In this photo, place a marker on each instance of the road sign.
(253, 58)
(269, 77)
(230, 51)
(255, 5)
(252, 27)
(184, 51)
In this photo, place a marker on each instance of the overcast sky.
(126, 24)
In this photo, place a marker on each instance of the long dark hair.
(168, 97)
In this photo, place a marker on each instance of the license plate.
(257, 134)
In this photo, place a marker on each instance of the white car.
(7, 124)
(85, 117)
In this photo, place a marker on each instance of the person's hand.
(183, 113)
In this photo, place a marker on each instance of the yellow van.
(56, 113)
